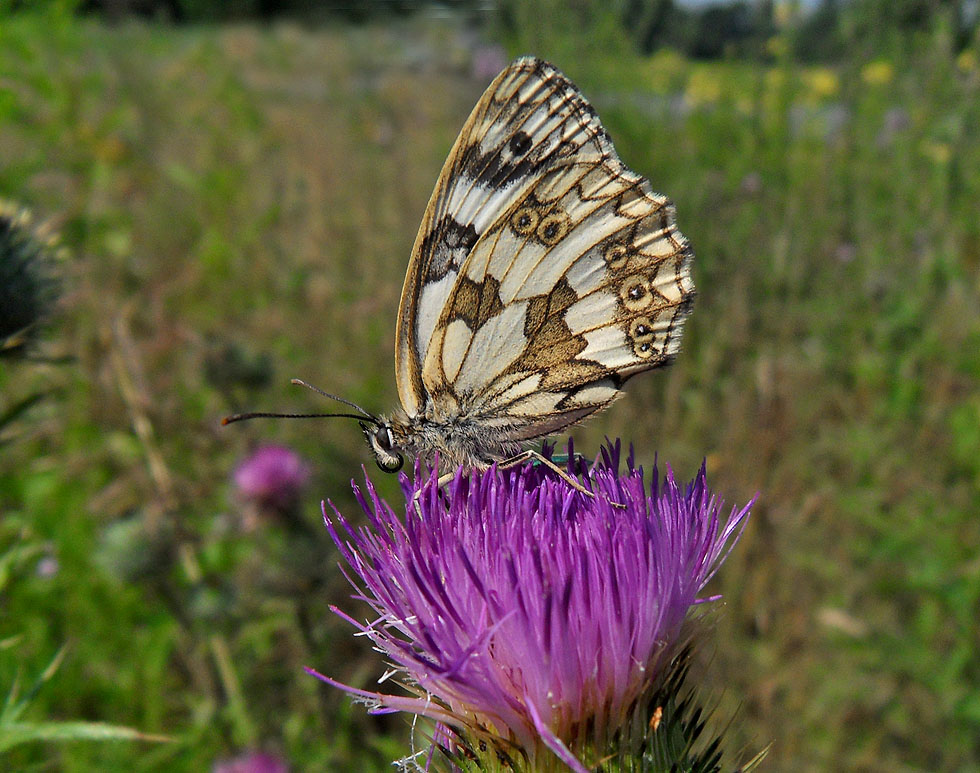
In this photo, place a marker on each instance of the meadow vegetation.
(240, 202)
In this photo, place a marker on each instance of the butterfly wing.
(545, 272)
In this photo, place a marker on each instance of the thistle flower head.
(272, 477)
(523, 614)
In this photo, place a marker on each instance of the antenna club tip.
(226, 421)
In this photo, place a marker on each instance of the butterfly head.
(382, 443)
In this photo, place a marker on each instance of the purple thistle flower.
(253, 762)
(272, 477)
(517, 609)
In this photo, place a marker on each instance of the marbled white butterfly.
(544, 275)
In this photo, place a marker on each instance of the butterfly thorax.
(459, 440)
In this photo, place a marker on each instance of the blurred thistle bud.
(132, 553)
(28, 278)
(229, 365)
(271, 480)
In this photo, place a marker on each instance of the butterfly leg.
(530, 454)
(442, 481)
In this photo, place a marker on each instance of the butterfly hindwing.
(545, 272)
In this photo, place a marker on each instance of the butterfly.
(544, 275)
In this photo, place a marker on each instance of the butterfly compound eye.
(388, 459)
(382, 436)
(383, 446)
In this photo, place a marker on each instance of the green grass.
(259, 190)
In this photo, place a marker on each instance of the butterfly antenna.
(355, 406)
(264, 415)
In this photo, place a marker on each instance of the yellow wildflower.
(938, 152)
(822, 83)
(967, 61)
(878, 73)
(703, 87)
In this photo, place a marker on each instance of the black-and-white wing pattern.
(545, 273)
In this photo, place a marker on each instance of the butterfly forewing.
(545, 272)
(489, 166)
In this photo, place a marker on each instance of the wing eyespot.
(635, 293)
(644, 350)
(552, 229)
(616, 254)
(641, 330)
(641, 333)
(525, 221)
(565, 149)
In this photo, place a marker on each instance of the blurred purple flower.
(895, 122)
(253, 762)
(837, 118)
(845, 252)
(679, 107)
(47, 566)
(751, 184)
(272, 477)
(516, 608)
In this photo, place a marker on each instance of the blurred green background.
(238, 186)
